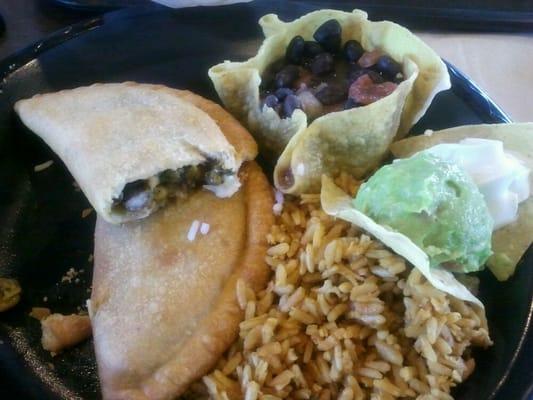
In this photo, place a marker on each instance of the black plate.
(42, 233)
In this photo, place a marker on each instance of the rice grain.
(343, 318)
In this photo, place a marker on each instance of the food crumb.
(9, 293)
(76, 186)
(43, 166)
(45, 299)
(428, 132)
(70, 275)
(63, 331)
(91, 258)
(39, 313)
(85, 213)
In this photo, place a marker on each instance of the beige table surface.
(501, 64)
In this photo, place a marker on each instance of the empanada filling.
(154, 192)
(322, 76)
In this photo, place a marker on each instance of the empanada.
(164, 306)
(133, 146)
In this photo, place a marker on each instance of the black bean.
(353, 50)
(322, 64)
(295, 50)
(136, 195)
(267, 81)
(281, 93)
(357, 73)
(341, 68)
(329, 35)
(376, 77)
(290, 104)
(307, 80)
(271, 101)
(353, 67)
(277, 65)
(388, 67)
(269, 75)
(350, 103)
(312, 49)
(287, 76)
(332, 93)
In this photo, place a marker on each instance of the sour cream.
(501, 177)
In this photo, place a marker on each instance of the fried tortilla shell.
(356, 138)
(164, 306)
(112, 135)
(340, 205)
(510, 242)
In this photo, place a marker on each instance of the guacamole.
(434, 203)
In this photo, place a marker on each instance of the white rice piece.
(279, 197)
(43, 166)
(193, 230)
(343, 329)
(204, 228)
(277, 208)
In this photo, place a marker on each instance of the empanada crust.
(112, 134)
(164, 308)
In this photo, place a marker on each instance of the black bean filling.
(321, 76)
(169, 184)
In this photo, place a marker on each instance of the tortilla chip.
(510, 242)
(357, 138)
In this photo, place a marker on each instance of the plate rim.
(462, 86)
(88, 7)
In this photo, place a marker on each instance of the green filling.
(153, 193)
